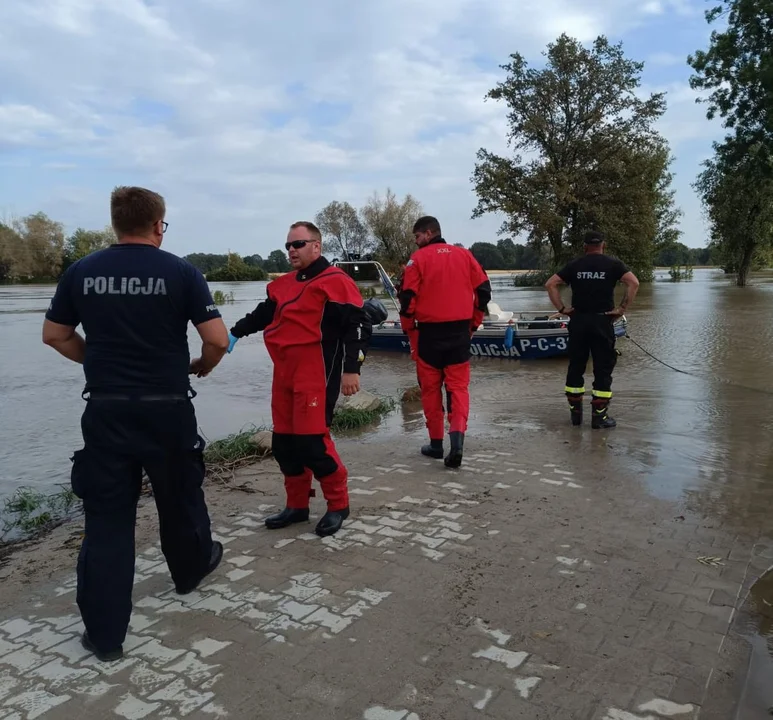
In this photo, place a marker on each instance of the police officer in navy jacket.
(134, 302)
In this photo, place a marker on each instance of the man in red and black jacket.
(317, 334)
(443, 299)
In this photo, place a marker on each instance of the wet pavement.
(525, 584)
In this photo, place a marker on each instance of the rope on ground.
(647, 352)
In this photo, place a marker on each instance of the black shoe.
(600, 420)
(575, 409)
(454, 457)
(330, 523)
(214, 561)
(433, 450)
(110, 656)
(288, 516)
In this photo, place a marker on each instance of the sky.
(247, 115)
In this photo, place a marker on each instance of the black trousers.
(591, 335)
(121, 437)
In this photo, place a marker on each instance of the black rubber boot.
(454, 457)
(330, 523)
(600, 419)
(214, 561)
(575, 408)
(434, 449)
(288, 516)
(110, 656)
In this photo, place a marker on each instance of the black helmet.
(375, 310)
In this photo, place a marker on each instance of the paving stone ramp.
(510, 588)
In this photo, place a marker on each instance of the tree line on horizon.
(36, 249)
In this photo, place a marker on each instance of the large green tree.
(83, 242)
(10, 254)
(679, 254)
(737, 72)
(738, 200)
(488, 255)
(592, 157)
(736, 186)
(235, 269)
(207, 262)
(277, 262)
(33, 247)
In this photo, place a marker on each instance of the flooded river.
(704, 437)
(682, 432)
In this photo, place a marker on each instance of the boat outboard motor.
(375, 310)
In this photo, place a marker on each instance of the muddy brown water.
(703, 439)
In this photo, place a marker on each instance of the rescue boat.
(528, 335)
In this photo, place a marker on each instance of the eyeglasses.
(166, 225)
(297, 244)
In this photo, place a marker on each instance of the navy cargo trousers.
(123, 434)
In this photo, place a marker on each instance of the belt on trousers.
(137, 397)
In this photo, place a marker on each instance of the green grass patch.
(224, 456)
(234, 448)
(29, 512)
(352, 419)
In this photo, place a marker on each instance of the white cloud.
(654, 7)
(225, 106)
(666, 59)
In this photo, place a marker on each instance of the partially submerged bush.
(224, 456)
(222, 298)
(354, 418)
(679, 273)
(30, 512)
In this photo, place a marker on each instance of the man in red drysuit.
(314, 326)
(444, 296)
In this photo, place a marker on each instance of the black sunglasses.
(297, 244)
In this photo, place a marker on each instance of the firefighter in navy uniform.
(317, 333)
(444, 296)
(593, 278)
(134, 301)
